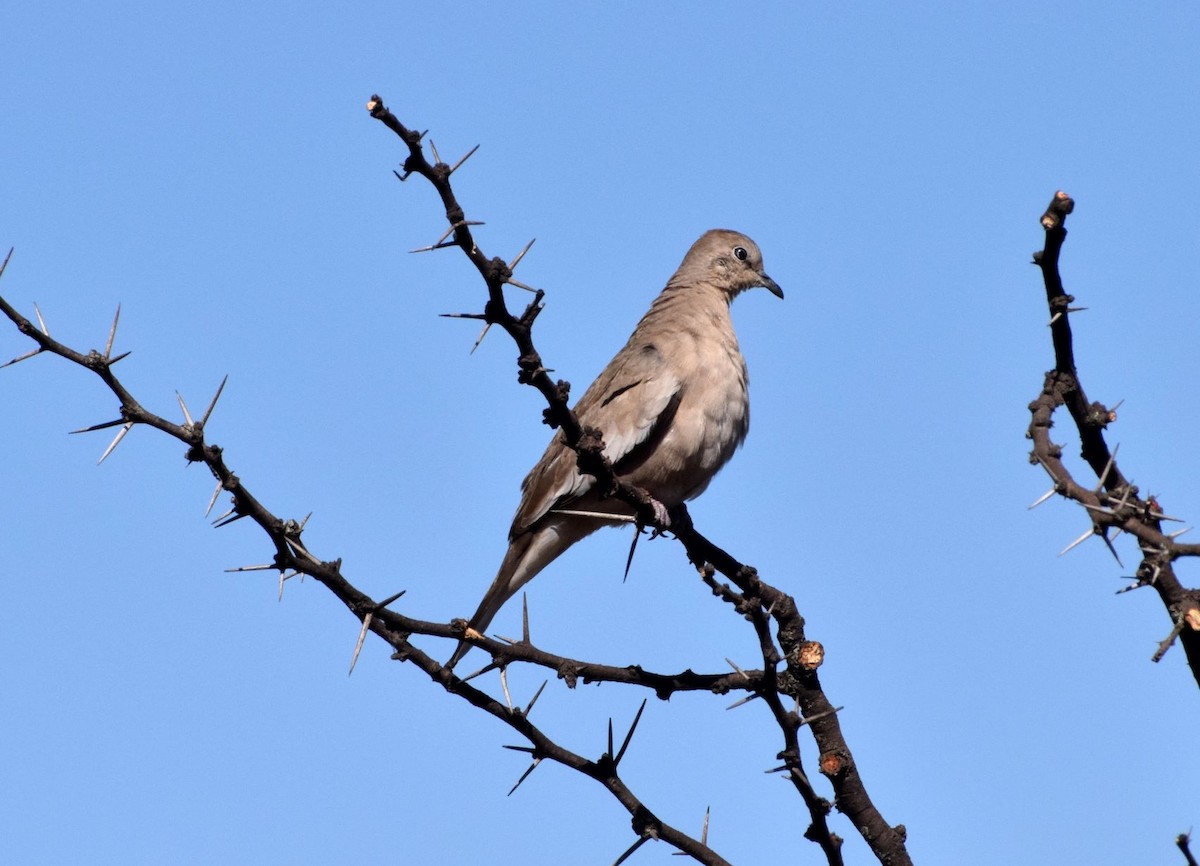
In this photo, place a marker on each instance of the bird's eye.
(740, 254)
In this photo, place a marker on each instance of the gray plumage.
(673, 406)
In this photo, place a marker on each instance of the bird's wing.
(632, 403)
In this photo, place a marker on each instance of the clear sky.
(211, 167)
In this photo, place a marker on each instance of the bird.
(672, 406)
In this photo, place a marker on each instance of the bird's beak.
(770, 285)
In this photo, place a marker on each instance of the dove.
(673, 405)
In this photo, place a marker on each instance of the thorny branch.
(753, 598)
(1114, 505)
(760, 601)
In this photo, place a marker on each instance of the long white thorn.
(41, 321)
(213, 405)
(1078, 541)
(116, 441)
(1043, 498)
(187, 416)
(213, 501)
(1107, 467)
(513, 264)
(112, 334)
(362, 636)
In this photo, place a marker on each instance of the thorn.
(470, 153)
(704, 831)
(529, 750)
(116, 441)
(1080, 540)
(512, 266)
(401, 177)
(525, 618)
(744, 700)
(1157, 516)
(237, 515)
(41, 321)
(490, 666)
(441, 245)
(1102, 509)
(610, 738)
(536, 695)
(1107, 467)
(504, 685)
(479, 339)
(1043, 498)
(299, 549)
(213, 403)
(112, 334)
(4, 266)
(304, 522)
(799, 774)
(521, 285)
(1048, 472)
(637, 533)
(1138, 584)
(1112, 549)
(98, 426)
(780, 769)
(482, 317)
(625, 745)
(362, 636)
(282, 577)
(119, 357)
(524, 776)
(187, 416)
(433, 147)
(731, 663)
(381, 605)
(615, 518)
(1055, 318)
(821, 715)
(1178, 532)
(213, 501)
(442, 242)
(266, 566)
(20, 358)
(1076, 309)
(642, 840)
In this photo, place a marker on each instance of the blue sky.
(211, 167)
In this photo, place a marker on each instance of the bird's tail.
(509, 579)
(527, 555)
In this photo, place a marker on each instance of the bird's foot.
(662, 515)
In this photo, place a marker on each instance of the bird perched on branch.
(672, 406)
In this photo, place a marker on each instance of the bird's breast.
(711, 421)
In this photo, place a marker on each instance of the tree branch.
(753, 599)
(800, 680)
(1114, 504)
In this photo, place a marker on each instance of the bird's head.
(729, 260)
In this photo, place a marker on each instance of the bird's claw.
(662, 515)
